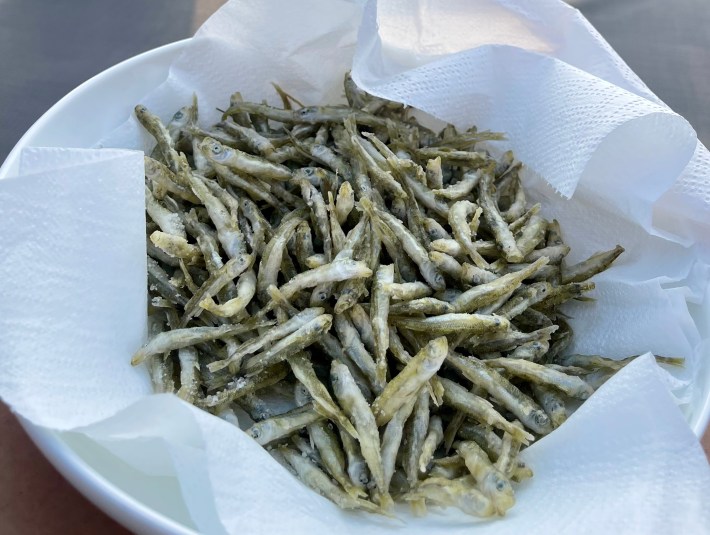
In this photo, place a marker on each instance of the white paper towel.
(73, 299)
(583, 123)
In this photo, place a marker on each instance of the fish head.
(307, 113)
(215, 150)
(322, 323)
(438, 281)
(437, 351)
(151, 166)
(541, 421)
(140, 110)
(499, 489)
(302, 395)
(262, 432)
(320, 295)
(181, 117)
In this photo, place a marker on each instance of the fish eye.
(500, 485)
(255, 433)
(308, 171)
(178, 115)
(216, 149)
(541, 419)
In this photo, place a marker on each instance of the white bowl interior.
(142, 503)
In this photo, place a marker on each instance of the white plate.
(152, 505)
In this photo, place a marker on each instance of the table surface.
(47, 48)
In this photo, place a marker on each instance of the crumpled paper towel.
(72, 266)
(604, 156)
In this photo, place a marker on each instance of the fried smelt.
(410, 380)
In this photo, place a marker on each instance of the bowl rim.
(119, 505)
(100, 491)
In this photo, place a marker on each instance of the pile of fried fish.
(381, 301)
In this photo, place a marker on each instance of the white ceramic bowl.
(143, 504)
